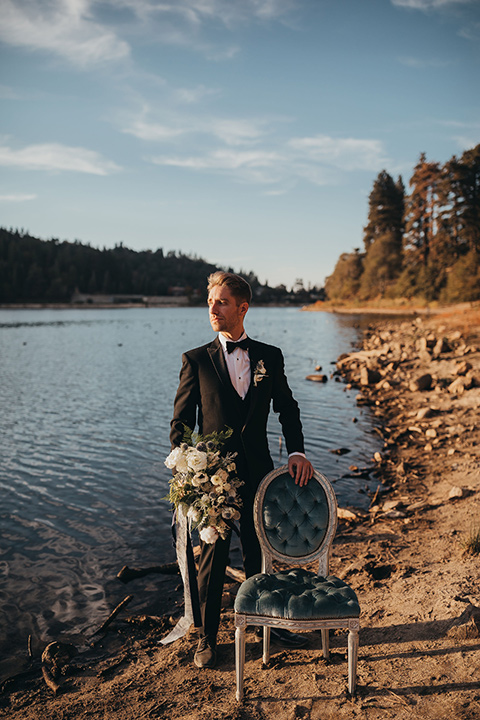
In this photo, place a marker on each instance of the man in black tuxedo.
(223, 385)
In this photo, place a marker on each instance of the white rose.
(209, 535)
(196, 460)
(177, 460)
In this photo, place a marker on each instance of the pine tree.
(385, 209)
(462, 200)
(383, 236)
(422, 211)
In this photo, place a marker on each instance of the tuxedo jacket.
(206, 398)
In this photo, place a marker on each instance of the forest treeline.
(38, 271)
(421, 245)
(53, 271)
(34, 270)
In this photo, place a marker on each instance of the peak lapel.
(216, 355)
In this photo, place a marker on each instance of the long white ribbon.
(183, 625)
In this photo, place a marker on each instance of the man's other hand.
(300, 468)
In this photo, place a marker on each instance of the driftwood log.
(127, 574)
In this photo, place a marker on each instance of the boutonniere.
(259, 373)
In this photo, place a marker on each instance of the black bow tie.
(243, 344)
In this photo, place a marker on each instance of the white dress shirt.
(238, 364)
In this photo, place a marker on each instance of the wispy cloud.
(471, 32)
(342, 153)
(222, 160)
(429, 4)
(17, 198)
(88, 32)
(236, 131)
(229, 131)
(197, 12)
(55, 157)
(319, 160)
(63, 27)
(151, 131)
(419, 63)
(194, 95)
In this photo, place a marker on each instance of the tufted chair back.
(295, 523)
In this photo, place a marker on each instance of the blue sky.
(247, 132)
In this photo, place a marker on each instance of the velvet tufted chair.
(295, 525)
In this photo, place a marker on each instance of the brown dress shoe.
(205, 654)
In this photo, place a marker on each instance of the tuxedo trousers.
(213, 562)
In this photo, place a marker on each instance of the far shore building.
(173, 300)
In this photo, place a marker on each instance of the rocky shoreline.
(410, 557)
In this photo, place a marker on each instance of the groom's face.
(225, 312)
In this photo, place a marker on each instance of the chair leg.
(239, 659)
(352, 660)
(326, 643)
(266, 644)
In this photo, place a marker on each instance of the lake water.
(86, 398)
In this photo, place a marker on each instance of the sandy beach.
(411, 559)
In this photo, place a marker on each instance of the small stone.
(377, 457)
(344, 514)
(441, 346)
(431, 433)
(455, 492)
(424, 382)
(463, 368)
(369, 377)
(424, 413)
(391, 505)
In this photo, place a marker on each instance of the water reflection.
(86, 398)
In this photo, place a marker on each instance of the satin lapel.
(216, 355)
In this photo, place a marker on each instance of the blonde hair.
(239, 287)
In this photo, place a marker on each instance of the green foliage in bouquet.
(205, 483)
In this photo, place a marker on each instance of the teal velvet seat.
(295, 525)
(297, 595)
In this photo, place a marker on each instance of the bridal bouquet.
(205, 484)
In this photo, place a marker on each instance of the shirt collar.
(223, 340)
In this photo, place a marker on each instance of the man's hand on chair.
(300, 468)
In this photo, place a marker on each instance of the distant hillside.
(54, 271)
(34, 270)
